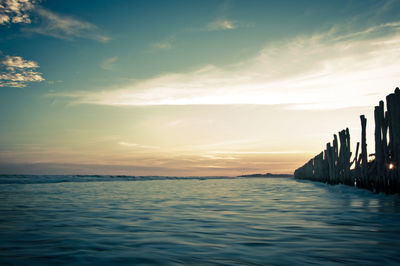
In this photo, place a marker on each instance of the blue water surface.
(98, 220)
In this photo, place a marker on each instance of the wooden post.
(364, 154)
(396, 137)
(393, 117)
(331, 164)
(319, 169)
(356, 156)
(379, 160)
(335, 159)
(349, 179)
(325, 167)
(385, 148)
(342, 155)
(389, 114)
(356, 171)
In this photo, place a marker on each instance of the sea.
(123, 220)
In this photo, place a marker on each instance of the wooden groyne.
(336, 165)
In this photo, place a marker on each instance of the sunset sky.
(188, 87)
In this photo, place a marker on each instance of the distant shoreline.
(268, 175)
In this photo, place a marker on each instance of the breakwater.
(336, 164)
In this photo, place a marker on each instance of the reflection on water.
(197, 221)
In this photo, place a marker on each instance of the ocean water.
(98, 220)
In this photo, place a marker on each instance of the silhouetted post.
(356, 156)
(346, 157)
(389, 114)
(364, 154)
(393, 115)
(325, 168)
(343, 164)
(318, 167)
(389, 106)
(379, 156)
(310, 169)
(341, 158)
(329, 158)
(396, 136)
(356, 171)
(335, 159)
(385, 148)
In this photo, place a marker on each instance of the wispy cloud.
(16, 11)
(217, 25)
(259, 152)
(16, 72)
(109, 63)
(66, 27)
(221, 24)
(325, 70)
(135, 145)
(165, 44)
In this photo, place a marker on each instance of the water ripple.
(195, 221)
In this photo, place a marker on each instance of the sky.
(188, 88)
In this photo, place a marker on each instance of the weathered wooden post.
(312, 171)
(349, 179)
(379, 155)
(318, 167)
(342, 155)
(332, 164)
(325, 168)
(343, 164)
(393, 117)
(396, 137)
(329, 158)
(356, 156)
(385, 147)
(345, 155)
(356, 171)
(390, 174)
(364, 154)
(335, 159)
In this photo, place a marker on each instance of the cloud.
(18, 62)
(135, 145)
(221, 24)
(327, 70)
(66, 27)
(16, 11)
(259, 152)
(16, 72)
(109, 63)
(165, 44)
